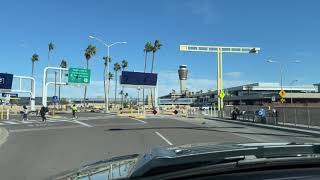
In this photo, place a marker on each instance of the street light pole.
(291, 89)
(106, 97)
(282, 70)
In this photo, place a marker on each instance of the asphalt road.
(37, 150)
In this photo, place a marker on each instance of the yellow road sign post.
(219, 50)
(282, 94)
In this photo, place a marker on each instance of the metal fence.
(302, 116)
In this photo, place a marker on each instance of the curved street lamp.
(106, 99)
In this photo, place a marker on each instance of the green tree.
(110, 77)
(34, 58)
(124, 65)
(146, 50)
(50, 48)
(90, 51)
(63, 64)
(106, 61)
(121, 93)
(156, 46)
(116, 68)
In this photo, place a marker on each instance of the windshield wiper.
(171, 159)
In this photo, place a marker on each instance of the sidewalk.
(3, 135)
(312, 132)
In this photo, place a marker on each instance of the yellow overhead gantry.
(219, 50)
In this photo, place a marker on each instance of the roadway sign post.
(55, 99)
(282, 94)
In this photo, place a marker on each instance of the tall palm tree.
(124, 65)
(34, 58)
(121, 93)
(116, 68)
(147, 49)
(90, 51)
(63, 64)
(50, 48)
(110, 77)
(126, 96)
(106, 60)
(156, 46)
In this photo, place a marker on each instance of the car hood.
(138, 165)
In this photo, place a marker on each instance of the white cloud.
(234, 74)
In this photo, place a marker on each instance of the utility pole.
(219, 50)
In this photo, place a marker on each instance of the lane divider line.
(165, 139)
(82, 123)
(138, 120)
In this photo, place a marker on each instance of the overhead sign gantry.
(219, 50)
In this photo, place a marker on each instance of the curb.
(281, 128)
(3, 135)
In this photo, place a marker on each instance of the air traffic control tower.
(183, 76)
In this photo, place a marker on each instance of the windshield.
(86, 81)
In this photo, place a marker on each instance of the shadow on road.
(216, 129)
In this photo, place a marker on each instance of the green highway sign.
(79, 76)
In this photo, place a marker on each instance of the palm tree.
(90, 51)
(63, 64)
(106, 60)
(156, 46)
(121, 93)
(110, 77)
(126, 96)
(116, 68)
(147, 49)
(50, 47)
(124, 65)
(34, 58)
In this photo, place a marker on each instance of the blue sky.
(285, 30)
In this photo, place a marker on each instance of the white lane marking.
(138, 120)
(82, 123)
(10, 122)
(1, 124)
(165, 139)
(26, 122)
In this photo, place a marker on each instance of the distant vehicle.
(209, 161)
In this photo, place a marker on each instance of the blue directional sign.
(262, 112)
(55, 99)
(6, 81)
(13, 95)
(138, 78)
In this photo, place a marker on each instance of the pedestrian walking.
(24, 113)
(74, 110)
(43, 112)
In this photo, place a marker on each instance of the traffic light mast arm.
(224, 49)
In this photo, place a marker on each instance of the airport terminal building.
(249, 94)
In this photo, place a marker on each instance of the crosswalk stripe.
(10, 122)
(1, 124)
(26, 122)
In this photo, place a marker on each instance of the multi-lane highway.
(37, 150)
